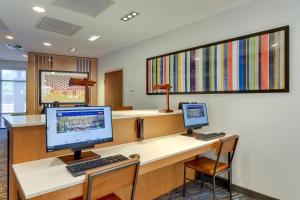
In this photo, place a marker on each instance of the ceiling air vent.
(88, 7)
(58, 26)
(14, 46)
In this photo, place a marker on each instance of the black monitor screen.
(195, 115)
(78, 127)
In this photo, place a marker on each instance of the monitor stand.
(78, 156)
(189, 133)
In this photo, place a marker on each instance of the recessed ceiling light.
(9, 37)
(94, 37)
(129, 16)
(72, 49)
(39, 9)
(47, 44)
(25, 56)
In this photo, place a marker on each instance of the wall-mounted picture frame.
(254, 63)
(54, 86)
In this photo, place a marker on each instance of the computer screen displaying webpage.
(195, 114)
(67, 127)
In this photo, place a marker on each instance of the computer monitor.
(78, 128)
(194, 116)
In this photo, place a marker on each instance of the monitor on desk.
(194, 116)
(78, 128)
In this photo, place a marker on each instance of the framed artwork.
(255, 63)
(54, 86)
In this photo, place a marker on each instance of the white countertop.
(48, 175)
(36, 120)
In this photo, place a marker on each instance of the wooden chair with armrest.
(102, 183)
(213, 168)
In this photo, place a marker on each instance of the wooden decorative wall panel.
(37, 62)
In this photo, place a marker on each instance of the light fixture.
(275, 45)
(9, 37)
(47, 44)
(25, 56)
(94, 37)
(39, 9)
(129, 16)
(72, 49)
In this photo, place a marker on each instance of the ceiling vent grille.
(88, 7)
(58, 26)
(14, 46)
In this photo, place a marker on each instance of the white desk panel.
(48, 175)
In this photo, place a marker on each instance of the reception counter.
(36, 120)
(27, 142)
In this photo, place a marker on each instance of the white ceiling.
(156, 17)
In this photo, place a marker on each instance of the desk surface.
(37, 120)
(48, 175)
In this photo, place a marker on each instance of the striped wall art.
(254, 63)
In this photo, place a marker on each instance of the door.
(114, 88)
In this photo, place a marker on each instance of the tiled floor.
(3, 164)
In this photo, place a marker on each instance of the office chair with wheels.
(213, 168)
(101, 183)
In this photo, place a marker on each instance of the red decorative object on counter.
(167, 88)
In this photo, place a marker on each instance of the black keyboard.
(79, 168)
(209, 136)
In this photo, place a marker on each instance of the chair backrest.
(105, 180)
(227, 146)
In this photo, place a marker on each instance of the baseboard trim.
(250, 193)
(245, 191)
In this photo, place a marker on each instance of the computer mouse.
(222, 133)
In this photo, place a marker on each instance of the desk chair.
(215, 167)
(101, 183)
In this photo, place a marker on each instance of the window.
(13, 91)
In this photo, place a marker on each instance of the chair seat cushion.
(206, 165)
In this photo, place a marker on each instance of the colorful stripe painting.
(252, 63)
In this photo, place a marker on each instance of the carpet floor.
(3, 164)
(195, 192)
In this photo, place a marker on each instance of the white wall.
(267, 158)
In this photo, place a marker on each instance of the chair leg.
(201, 180)
(230, 182)
(184, 181)
(214, 187)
